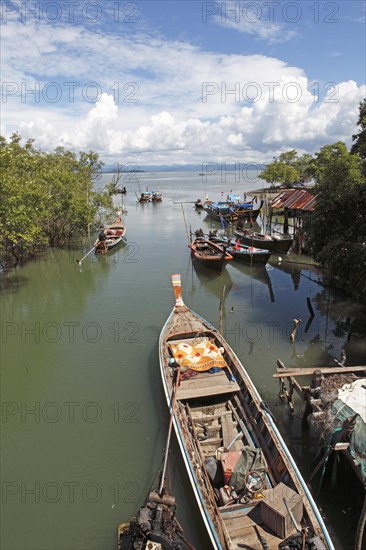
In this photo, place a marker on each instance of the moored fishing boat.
(156, 195)
(209, 254)
(230, 211)
(113, 236)
(144, 197)
(241, 252)
(155, 526)
(248, 488)
(120, 190)
(274, 243)
(249, 254)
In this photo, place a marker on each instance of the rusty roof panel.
(295, 199)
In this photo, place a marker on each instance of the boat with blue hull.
(231, 212)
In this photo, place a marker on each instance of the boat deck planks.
(198, 386)
(229, 432)
(241, 523)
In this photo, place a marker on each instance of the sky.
(182, 82)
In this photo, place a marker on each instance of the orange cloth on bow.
(201, 357)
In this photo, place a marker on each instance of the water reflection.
(294, 270)
(210, 280)
(348, 321)
(258, 273)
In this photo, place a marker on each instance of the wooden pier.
(326, 382)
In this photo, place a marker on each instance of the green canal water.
(84, 419)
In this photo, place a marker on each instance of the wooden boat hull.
(232, 213)
(210, 254)
(249, 214)
(115, 234)
(232, 410)
(144, 197)
(156, 196)
(274, 244)
(243, 253)
(248, 255)
(110, 245)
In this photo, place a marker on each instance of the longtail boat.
(145, 196)
(209, 254)
(249, 254)
(114, 235)
(241, 252)
(156, 195)
(155, 527)
(248, 488)
(230, 211)
(274, 243)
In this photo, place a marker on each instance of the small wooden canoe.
(145, 197)
(248, 488)
(280, 243)
(114, 235)
(209, 254)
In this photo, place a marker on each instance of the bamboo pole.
(174, 401)
(221, 304)
(185, 223)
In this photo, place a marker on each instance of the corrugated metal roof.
(295, 199)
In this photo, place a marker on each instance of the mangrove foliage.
(45, 198)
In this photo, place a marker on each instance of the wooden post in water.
(293, 333)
